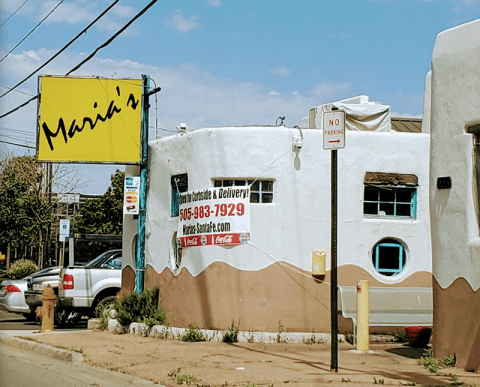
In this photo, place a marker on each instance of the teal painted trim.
(400, 257)
(140, 258)
(414, 204)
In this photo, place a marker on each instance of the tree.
(25, 211)
(27, 203)
(101, 215)
(104, 214)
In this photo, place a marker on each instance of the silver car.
(12, 297)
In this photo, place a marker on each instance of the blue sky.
(229, 62)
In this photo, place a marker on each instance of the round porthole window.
(389, 257)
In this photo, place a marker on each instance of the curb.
(42, 349)
(166, 332)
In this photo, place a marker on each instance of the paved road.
(20, 368)
(14, 321)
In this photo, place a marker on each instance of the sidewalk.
(241, 364)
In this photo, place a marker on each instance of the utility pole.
(140, 258)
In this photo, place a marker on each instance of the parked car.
(33, 296)
(86, 289)
(12, 295)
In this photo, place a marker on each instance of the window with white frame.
(390, 195)
(261, 191)
(389, 257)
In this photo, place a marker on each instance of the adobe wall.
(268, 281)
(455, 109)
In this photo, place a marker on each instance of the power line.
(64, 48)
(16, 130)
(112, 38)
(17, 138)
(41, 21)
(18, 9)
(19, 107)
(88, 58)
(18, 91)
(23, 146)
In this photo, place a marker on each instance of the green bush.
(231, 335)
(22, 268)
(193, 334)
(142, 308)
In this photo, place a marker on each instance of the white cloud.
(123, 11)
(182, 24)
(214, 3)
(330, 91)
(281, 71)
(66, 12)
(274, 93)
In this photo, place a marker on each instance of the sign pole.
(334, 139)
(333, 287)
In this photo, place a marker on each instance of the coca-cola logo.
(192, 242)
(224, 239)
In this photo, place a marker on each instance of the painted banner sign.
(131, 195)
(214, 216)
(89, 120)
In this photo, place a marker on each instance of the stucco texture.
(278, 297)
(454, 216)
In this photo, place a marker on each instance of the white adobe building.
(454, 197)
(383, 219)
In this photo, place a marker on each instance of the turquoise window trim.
(394, 203)
(414, 204)
(400, 258)
(175, 202)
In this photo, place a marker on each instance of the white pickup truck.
(85, 289)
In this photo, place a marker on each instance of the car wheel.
(30, 316)
(65, 317)
(103, 304)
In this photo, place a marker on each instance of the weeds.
(231, 335)
(193, 334)
(455, 381)
(429, 362)
(186, 379)
(348, 337)
(346, 380)
(433, 365)
(379, 381)
(281, 329)
(449, 361)
(400, 337)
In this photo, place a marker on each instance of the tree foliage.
(104, 214)
(25, 211)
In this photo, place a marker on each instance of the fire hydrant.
(48, 309)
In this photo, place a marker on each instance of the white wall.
(299, 219)
(455, 107)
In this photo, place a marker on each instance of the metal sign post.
(333, 139)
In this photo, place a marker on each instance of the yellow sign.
(89, 120)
